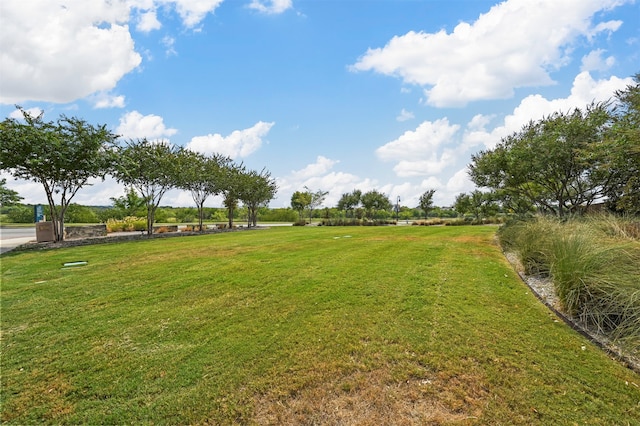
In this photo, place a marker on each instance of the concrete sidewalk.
(9, 244)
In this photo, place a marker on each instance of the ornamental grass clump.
(598, 281)
(531, 240)
(594, 263)
(625, 228)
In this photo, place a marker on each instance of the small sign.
(38, 213)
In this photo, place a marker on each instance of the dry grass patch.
(376, 398)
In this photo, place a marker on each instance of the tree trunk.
(58, 234)
(201, 215)
(150, 219)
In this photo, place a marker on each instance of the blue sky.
(392, 95)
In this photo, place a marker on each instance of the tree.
(479, 204)
(550, 162)
(202, 176)
(130, 204)
(150, 168)
(62, 156)
(317, 198)
(19, 213)
(426, 201)
(80, 214)
(232, 188)
(621, 151)
(374, 201)
(462, 204)
(300, 201)
(8, 197)
(257, 190)
(349, 201)
(514, 203)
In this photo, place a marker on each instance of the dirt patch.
(374, 398)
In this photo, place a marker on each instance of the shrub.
(429, 222)
(128, 224)
(458, 222)
(598, 281)
(593, 265)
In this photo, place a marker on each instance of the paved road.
(11, 238)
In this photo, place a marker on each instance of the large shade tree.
(550, 162)
(149, 167)
(63, 156)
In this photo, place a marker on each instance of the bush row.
(357, 222)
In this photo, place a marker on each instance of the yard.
(297, 325)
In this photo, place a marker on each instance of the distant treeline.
(76, 213)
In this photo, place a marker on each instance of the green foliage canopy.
(62, 156)
(374, 201)
(550, 162)
(257, 189)
(203, 176)
(149, 167)
(426, 201)
(8, 196)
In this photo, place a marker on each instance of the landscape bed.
(304, 325)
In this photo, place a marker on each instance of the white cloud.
(320, 167)
(106, 100)
(405, 115)
(134, 125)
(193, 12)
(239, 144)
(427, 137)
(61, 52)
(418, 152)
(534, 107)
(148, 21)
(270, 7)
(513, 45)
(594, 61)
(433, 165)
(168, 43)
(459, 182)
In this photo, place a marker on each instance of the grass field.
(367, 325)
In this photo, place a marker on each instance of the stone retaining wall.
(87, 231)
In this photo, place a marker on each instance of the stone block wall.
(87, 231)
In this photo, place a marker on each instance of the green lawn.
(296, 325)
